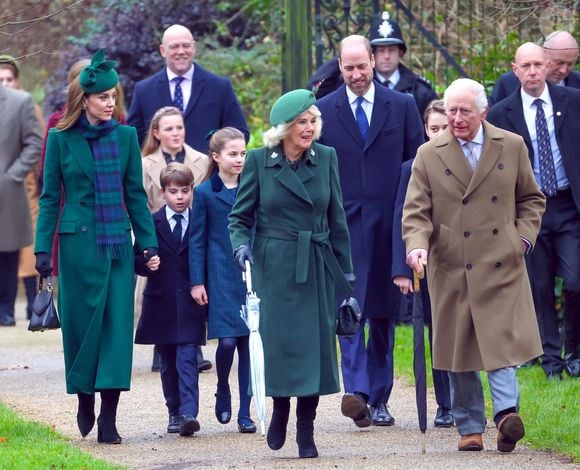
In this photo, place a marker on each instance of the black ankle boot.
(305, 415)
(277, 431)
(107, 428)
(86, 413)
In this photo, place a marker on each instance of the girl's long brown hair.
(151, 142)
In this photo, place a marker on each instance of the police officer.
(389, 49)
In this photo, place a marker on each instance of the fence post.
(296, 45)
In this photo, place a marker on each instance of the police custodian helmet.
(386, 32)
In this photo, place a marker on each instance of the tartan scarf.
(110, 215)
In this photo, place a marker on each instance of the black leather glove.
(350, 278)
(150, 253)
(243, 253)
(42, 264)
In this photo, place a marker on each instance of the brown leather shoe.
(353, 406)
(471, 442)
(509, 431)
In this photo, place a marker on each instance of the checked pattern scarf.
(110, 215)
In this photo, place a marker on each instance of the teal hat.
(291, 105)
(99, 75)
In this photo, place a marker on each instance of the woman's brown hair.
(217, 143)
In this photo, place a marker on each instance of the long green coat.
(95, 298)
(301, 251)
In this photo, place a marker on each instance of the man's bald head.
(562, 52)
(530, 66)
(178, 48)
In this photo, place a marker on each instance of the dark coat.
(507, 83)
(169, 315)
(369, 176)
(509, 115)
(399, 266)
(95, 296)
(212, 105)
(415, 85)
(301, 250)
(211, 262)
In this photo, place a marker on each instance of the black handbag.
(44, 315)
(349, 317)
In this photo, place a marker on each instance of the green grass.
(550, 409)
(29, 445)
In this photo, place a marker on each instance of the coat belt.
(304, 239)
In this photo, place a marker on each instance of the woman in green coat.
(289, 192)
(95, 164)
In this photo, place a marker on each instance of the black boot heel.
(86, 413)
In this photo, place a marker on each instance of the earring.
(84, 106)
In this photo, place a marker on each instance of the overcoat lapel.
(490, 154)
(449, 151)
(2, 100)
(185, 239)
(381, 112)
(197, 87)
(515, 114)
(156, 168)
(163, 228)
(81, 152)
(559, 105)
(163, 94)
(221, 191)
(285, 176)
(346, 118)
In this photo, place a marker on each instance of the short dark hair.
(176, 173)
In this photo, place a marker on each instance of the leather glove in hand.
(150, 252)
(350, 278)
(42, 264)
(243, 253)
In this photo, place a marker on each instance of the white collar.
(528, 100)
(368, 96)
(169, 212)
(187, 75)
(478, 139)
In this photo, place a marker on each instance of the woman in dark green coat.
(289, 191)
(96, 163)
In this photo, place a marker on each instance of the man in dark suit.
(373, 130)
(20, 141)
(562, 52)
(547, 117)
(207, 100)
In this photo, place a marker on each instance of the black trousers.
(8, 283)
(557, 253)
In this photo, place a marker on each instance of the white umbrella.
(250, 313)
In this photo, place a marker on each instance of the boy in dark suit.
(170, 318)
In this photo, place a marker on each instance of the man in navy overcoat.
(369, 170)
(557, 250)
(207, 100)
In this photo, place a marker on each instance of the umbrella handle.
(248, 277)
(417, 279)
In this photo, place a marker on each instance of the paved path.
(32, 382)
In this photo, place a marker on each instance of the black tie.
(177, 230)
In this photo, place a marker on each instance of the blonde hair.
(217, 143)
(152, 143)
(276, 134)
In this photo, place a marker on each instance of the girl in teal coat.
(96, 164)
(290, 192)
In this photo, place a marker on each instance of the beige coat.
(154, 163)
(471, 224)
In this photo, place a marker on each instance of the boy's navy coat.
(169, 315)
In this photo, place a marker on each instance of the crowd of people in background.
(364, 177)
